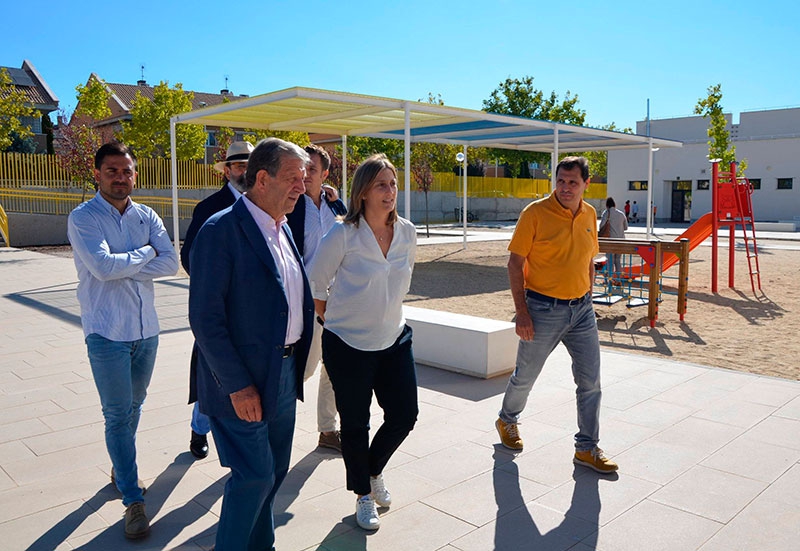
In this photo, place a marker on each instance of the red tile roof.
(127, 92)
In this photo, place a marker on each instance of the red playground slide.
(696, 234)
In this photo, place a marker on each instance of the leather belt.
(288, 350)
(557, 301)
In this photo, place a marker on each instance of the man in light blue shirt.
(119, 247)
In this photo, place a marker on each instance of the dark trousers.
(355, 375)
(258, 455)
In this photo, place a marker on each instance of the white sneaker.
(367, 514)
(379, 492)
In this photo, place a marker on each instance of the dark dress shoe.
(198, 445)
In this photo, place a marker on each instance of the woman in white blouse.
(358, 278)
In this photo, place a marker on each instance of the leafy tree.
(519, 97)
(148, 131)
(13, 106)
(93, 100)
(79, 140)
(719, 143)
(20, 144)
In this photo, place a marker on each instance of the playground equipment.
(731, 205)
(656, 257)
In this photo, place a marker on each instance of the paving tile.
(735, 411)
(778, 431)
(528, 527)
(455, 464)
(709, 493)
(790, 410)
(771, 521)
(597, 498)
(753, 459)
(51, 528)
(770, 392)
(654, 413)
(657, 461)
(655, 527)
(482, 498)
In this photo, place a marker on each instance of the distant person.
(617, 225)
(635, 212)
(252, 315)
(313, 216)
(359, 278)
(628, 210)
(233, 169)
(119, 247)
(551, 270)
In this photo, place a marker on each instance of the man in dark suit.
(251, 312)
(233, 167)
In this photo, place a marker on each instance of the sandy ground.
(732, 329)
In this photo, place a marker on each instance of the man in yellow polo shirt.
(551, 272)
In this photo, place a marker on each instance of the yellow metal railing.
(28, 171)
(25, 171)
(4, 227)
(50, 202)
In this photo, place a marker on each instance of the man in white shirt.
(313, 217)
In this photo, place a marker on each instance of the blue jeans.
(576, 327)
(122, 372)
(355, 375)
(200, 423)
(258, 455)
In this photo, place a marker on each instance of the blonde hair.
(363, 180)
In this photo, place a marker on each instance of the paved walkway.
(709, 458)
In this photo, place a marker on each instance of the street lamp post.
(462, 158)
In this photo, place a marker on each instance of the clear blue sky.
(613, 55)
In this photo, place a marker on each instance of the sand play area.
(732, 329)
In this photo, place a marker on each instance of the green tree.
(78, 140)
(520, 98)
(93, 100)
(13, 106)
(148, 130)
(719, 143)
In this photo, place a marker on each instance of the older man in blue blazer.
(251, 312)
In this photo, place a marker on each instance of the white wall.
(768, 140)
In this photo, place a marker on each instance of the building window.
(637, 185)
(784, 183)
(755, 182)
(703, 184)
(211, 139)
(34, 123)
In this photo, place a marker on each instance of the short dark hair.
(610, 204)
(568, 163)
(112, 149)
(324, 157)
(268, 155)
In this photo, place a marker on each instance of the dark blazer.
(219, 200)
(238, 313)
(297, 218)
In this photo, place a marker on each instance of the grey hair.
(268, 155)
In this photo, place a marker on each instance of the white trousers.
(326, 401)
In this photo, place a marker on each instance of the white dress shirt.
(364, 290)
(288, 267)
(319, 221)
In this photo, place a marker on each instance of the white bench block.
(474, 346)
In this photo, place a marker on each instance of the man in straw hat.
(233, 167)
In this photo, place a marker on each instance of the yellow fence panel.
(4, 226)
(57, 203)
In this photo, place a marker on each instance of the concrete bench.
(474, 346)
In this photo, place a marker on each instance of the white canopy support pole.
(554, 160)
(344, 169)
(407, 164)
(649, 189)
(176, 226)
(464, 202)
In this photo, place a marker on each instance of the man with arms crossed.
(313, 216)
(119, 248)
(550, 271)
(252, 315)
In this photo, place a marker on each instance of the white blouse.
(364, 291)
